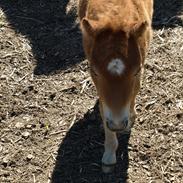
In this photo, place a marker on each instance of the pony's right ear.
(89, 27)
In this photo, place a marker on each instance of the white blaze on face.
(116, 66)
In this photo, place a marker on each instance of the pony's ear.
(138, 28)
(90, 27)
(137, 31)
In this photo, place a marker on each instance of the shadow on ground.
(167, 13)
(79, 155)
(53, 34)
(54, 37)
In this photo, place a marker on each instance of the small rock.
(146, 167)
(141, 121)
(5, 162)
(26, 134)
(30, 156)
(29, 126)
(19, 125)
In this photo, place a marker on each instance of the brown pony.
(116, 36)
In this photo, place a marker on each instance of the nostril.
(125, 122)
(109, 123)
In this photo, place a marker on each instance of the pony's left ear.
(138, 29)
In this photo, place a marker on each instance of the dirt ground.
(49, 121)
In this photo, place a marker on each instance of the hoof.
(108, 168)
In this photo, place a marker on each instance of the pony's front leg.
(110, 145)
